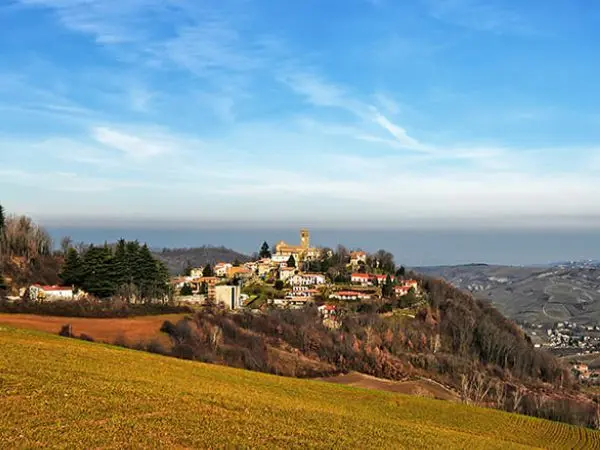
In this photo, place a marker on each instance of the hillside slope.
(56, 391)
(540, 295)
(177, 259)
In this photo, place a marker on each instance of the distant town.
(286, 276)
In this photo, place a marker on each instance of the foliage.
(90, 308)
(23, 238)
(279, 284)
(130, 271)
(2, 221)
(3, 285)
(382, 261)
(265, 251)
(291, 262)
(186, 289)
(208, 271)
(387, 290)
(71, 273)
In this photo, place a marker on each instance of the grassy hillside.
(63, 392)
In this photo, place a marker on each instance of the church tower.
(304, 238)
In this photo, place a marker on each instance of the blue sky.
(429, 113)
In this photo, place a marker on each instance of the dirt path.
(134, 329)
(425, 388)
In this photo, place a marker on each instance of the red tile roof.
(53, 288)
(361, 275)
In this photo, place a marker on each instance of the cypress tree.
(265, 251)
(208, 271)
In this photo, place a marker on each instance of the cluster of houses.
(286, 264)
(584, 374)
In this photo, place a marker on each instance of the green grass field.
(59, 392)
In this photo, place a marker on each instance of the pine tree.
(291, 262)
(2, 230)
(265, 252)
(71, 273)
(97, 272)
(148, 273)
(120, 265)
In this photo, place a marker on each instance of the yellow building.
(302, 252)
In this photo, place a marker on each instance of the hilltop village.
(292, 276)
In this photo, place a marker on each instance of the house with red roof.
(52, 293)
(368, 279)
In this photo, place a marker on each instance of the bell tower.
(304, 238)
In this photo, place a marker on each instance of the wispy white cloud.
(135, 145)
(108, 22)
(316, 90)
(482, 15)
(398, 133)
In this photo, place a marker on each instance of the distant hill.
(177, 259)
(96, 396)
(541, 294)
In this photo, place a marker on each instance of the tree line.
(128, 271)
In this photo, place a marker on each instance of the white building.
(350, 295)
(307, 279)
(52, 293)
(222, 268)
(285, 272)
(230, 296)
(280, 258)
(197, 272)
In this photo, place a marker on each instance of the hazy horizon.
(410, 247)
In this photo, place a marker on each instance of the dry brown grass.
(133, 329)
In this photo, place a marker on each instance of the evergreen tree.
(122, 276)
(2, 229)
(186, 290)
(401, 272)
(208, 271)
(265, 252)
(132, 251)
(291, 262)
(387, 290)
(148, 274)
(2, 220)
(71, 273)
(97, 273)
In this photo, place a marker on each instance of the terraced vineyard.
(62, 392)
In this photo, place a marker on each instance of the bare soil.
(133, 329)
